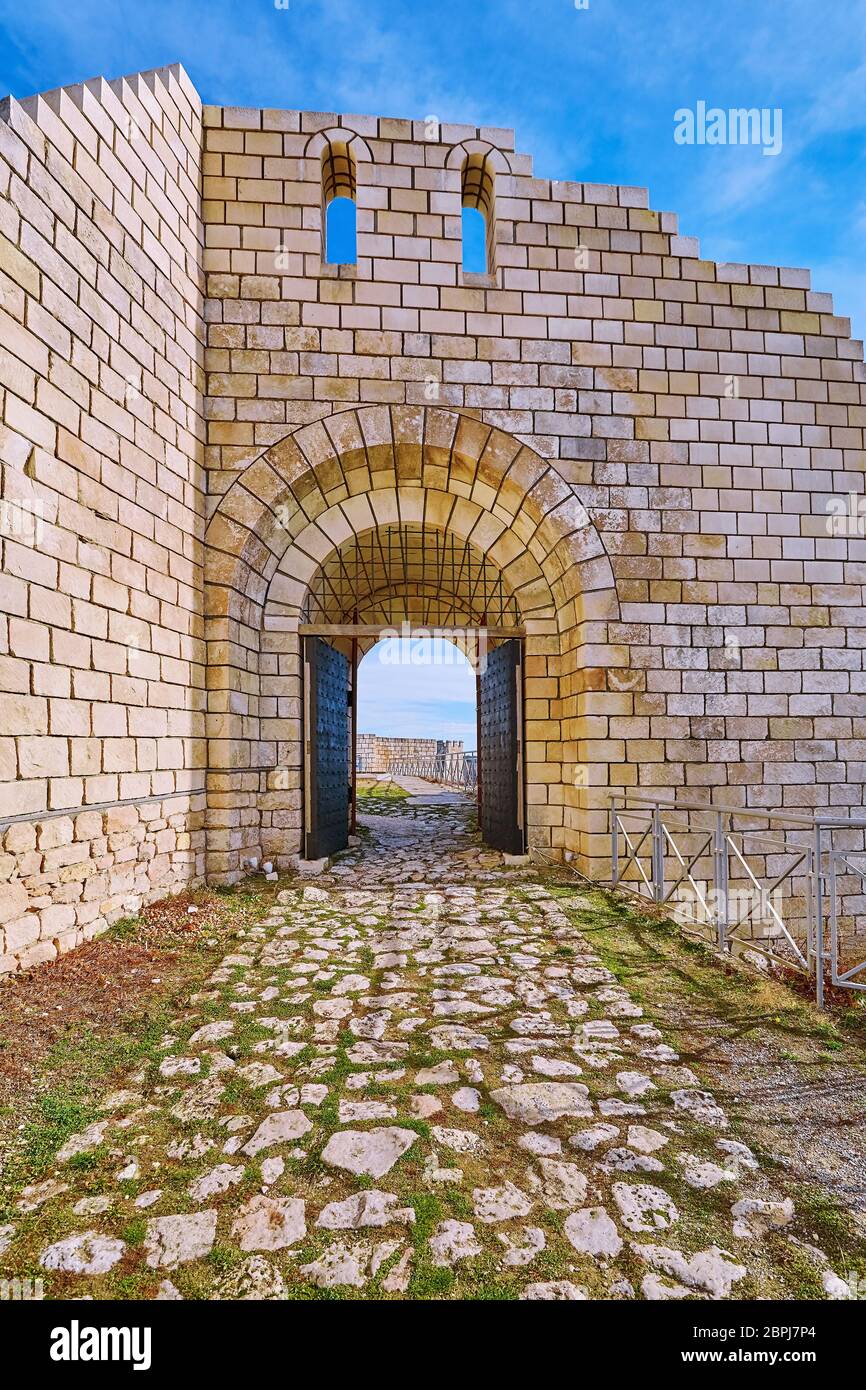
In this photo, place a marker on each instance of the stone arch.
(466, 149)
(421, 506)
(324, 482)
(338, 136)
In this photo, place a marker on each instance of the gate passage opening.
(417, 716)
(418, 589)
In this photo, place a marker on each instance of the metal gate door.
(326, 761)
(500, 707)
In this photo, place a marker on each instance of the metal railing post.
(802, 839)
(720, 884)
(818, 923)
(833, 900)
(658, 856)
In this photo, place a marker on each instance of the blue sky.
(417, 689)
(592, 93)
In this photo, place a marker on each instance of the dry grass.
(95, 986)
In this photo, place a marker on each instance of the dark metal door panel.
(500, 748)
(327, 749)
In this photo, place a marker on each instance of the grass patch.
(77, 1064)
(381, 791)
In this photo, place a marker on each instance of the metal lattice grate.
(410, 572)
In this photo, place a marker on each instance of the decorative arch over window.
(338, 153)
(478, 163)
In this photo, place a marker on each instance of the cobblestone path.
(414, 1079)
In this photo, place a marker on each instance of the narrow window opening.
(474, 242)
(339, 205)
(479, 234)
(341, 232)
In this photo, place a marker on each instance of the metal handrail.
(810, 818)
(738, 857)
(449, 769)
(843, 978)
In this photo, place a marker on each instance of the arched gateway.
(517, 559)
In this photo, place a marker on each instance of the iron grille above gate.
(413, 572)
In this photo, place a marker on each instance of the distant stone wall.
(378, 752)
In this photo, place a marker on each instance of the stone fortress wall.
(102, 671)
(379, 752)
(197, 409)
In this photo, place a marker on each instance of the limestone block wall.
(702, 417)
(102, 683)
